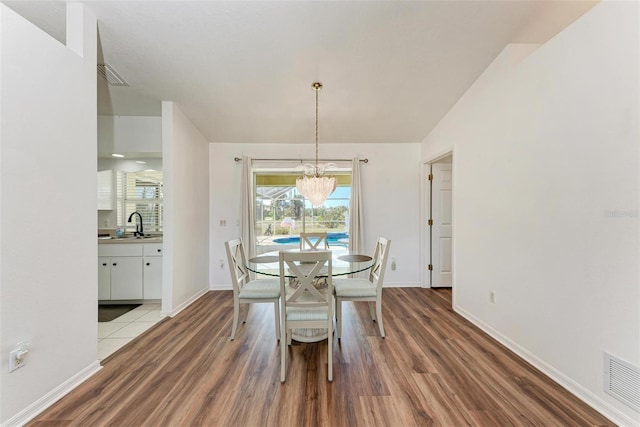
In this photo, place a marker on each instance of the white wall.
(546, 201)
(48, 251)
(390, 186)
(129, 134)
(186, 210)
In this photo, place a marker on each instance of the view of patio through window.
(281, 213)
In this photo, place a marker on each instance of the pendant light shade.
(314, 185)
(316, 188)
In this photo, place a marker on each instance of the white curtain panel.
(247, 222)
(355, 224)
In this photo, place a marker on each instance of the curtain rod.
(239, 159)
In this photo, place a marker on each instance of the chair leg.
(283, 358)
(236, 315)
(339, 317)
(330, 350)
(371, 312)
(276, 310)
(246, 314)
(379, 317)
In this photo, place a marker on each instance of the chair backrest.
(237, 261)
(313, 241)
(306, 266)
(376, 274)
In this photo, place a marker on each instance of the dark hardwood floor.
(433, 369)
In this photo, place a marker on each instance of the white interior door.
(441, 229)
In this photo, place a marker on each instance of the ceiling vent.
(622, 381)
(111, 76)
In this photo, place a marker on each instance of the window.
(281, 212)
(139, 192)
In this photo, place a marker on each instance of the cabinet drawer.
(152, 249)
(120, 249)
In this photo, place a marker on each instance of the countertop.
(128, 239)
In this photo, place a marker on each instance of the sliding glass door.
(281, 213)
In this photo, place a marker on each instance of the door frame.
(425, 210)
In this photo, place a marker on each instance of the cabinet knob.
(115, 263)
(148, 263)
(159, 250)
(104, 264)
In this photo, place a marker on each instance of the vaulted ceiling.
(242, 71)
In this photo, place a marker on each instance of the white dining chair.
(247, 291)
(313, 241)
(361, 289)
(306, 306)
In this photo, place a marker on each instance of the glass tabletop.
(342, 261)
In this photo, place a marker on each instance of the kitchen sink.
(132, 237)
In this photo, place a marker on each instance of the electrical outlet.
(18, 357)
(492, 296)
(393, 264)
(221, 263)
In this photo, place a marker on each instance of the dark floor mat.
(106, 313)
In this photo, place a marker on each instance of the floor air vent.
(622, 381)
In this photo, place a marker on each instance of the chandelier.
(314, 185)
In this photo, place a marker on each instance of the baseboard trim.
(37, 407)
(401, 285)
(188, 302)
(571, 386)
(386, 285)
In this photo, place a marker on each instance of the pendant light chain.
(317, 87)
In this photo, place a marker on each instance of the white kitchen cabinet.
(104, 278)
(106, 193)
(152, 286)
(152, 280)
(126, 278)
(130, 271)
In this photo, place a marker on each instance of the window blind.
(140, 192)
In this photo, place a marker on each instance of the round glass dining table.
(342, 264)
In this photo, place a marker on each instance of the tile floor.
(113, 335)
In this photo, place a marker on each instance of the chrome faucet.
(139, 230)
